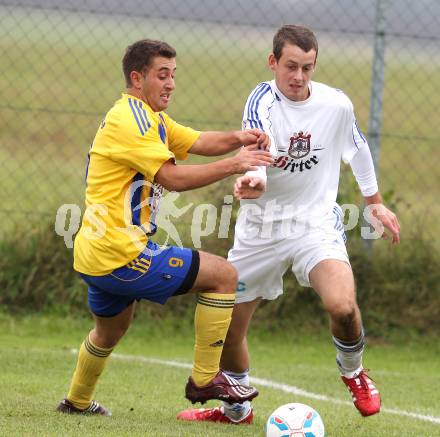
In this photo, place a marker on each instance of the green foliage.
(397, 286)
(36, 272)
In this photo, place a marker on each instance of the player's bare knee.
(108, 337)
(232, 275)
(121, 331)
(344, 313)
(227, 278)
(104, 339)
(231, 285)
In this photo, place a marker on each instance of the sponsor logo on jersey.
(299, 145)
(286, 163)
(299, 148)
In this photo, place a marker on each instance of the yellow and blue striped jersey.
(131, 145)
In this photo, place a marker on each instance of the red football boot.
(366, 396)
(216, 414)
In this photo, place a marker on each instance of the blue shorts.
(156, 274)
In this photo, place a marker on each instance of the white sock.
(349, 356)
(237, 412)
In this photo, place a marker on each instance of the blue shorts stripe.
(339, 223)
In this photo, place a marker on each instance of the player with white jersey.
(309, 139)
(290, 218)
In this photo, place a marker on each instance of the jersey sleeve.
(140, 149)
(256, 112)
(180, 138)
(357, 153)
(354, 138)
(363, 170)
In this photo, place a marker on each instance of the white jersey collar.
(289, 102)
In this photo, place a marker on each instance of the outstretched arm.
(219, 143)
(363, 170)
(186, 177)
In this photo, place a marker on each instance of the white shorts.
(262, 262)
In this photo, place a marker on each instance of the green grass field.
(36, 363)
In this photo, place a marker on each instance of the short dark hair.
(300, 36)
(139, 56)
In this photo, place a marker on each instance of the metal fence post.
(377, 82)
(377, 86)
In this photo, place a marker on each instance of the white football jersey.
(309, 139)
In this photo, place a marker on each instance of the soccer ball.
(294, 420)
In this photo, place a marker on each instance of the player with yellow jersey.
(131, 144)
(132, 158)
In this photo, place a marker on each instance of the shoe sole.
(221, 397)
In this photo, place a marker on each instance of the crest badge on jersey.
(299, 145)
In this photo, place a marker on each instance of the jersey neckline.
(292, 102)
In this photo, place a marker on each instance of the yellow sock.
(91, 363)
(211, 322)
